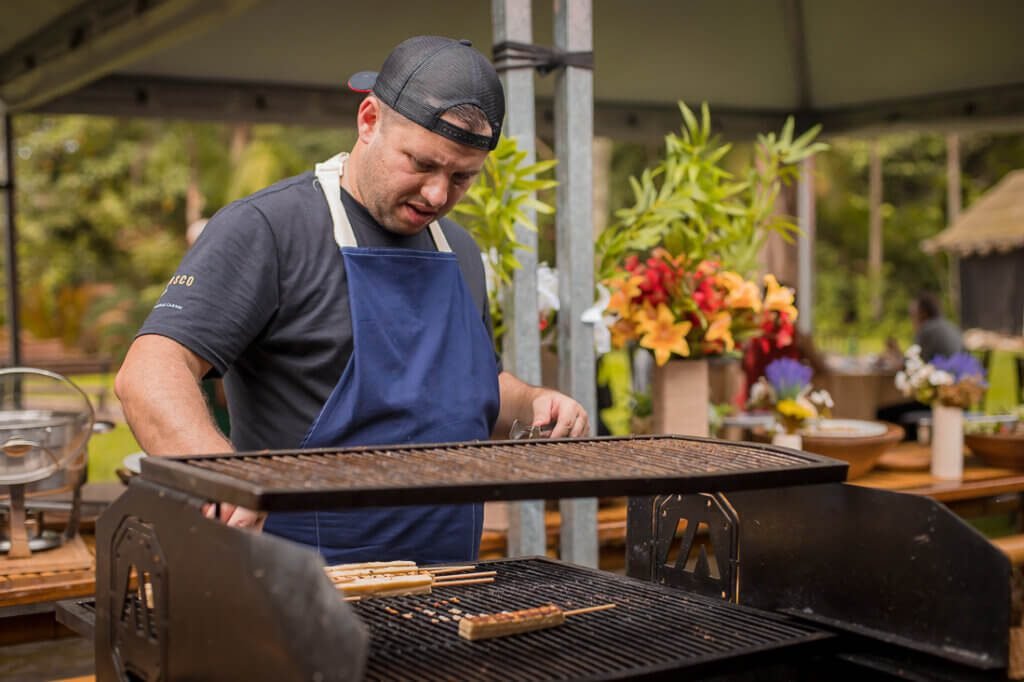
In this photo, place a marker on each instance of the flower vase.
(947, 442)
(788, 440)
(679, 398)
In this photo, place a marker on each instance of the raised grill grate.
(469, 472)
(652, 631)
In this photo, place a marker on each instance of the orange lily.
(622, 333)
(778, 297)
(663, 335)
(624, 289)
(744, 295)
(720, 330)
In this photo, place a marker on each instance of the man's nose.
(435, 190)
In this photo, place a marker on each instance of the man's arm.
(158, 386)
(538, 406)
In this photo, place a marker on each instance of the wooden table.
(979, 481)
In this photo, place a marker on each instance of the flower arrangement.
(786, 389)
(677, 262)
(954, 381)
(676, 307)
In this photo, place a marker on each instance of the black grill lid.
(654, 631)
(497, 470)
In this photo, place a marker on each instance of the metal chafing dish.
(805, 578)
(45, 424)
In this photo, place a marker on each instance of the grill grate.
(652, 631)
(469, 472)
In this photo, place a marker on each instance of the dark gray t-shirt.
(262, 297)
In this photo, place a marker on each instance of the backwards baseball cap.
(426, 76)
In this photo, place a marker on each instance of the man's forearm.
(516, 403)
(158, 387)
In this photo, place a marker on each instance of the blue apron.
(422, 370)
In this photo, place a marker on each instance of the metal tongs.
(523, 431)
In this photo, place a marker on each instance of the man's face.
(411, 176)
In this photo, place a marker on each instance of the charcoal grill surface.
(471, 472)
(652, 632)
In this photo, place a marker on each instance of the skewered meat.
(486, 626)
(510, 622)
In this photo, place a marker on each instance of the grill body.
(747, 562)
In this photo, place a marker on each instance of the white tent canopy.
(850, 64)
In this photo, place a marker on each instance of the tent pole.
(952, 213)
(10, 239)
(574, 138)
(513, 21)
(805, 247)
(875, 230)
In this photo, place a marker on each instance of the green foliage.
(691, 204)
(495, 204)
(102, 210)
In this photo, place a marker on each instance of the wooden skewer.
(589, 609)
(449, 569)
(475, 581)
(438, 579)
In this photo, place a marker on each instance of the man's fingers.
(581, 426)
(244, 518)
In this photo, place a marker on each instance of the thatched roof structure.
(994, 223)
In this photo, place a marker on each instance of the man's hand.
(541, 406)
(237, 517)
(567, 415)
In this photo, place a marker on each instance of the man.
(342, 312)
(932, 332)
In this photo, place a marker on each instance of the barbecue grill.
(745, 560)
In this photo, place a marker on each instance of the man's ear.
(369, 119)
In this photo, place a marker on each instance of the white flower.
(807, 404)
(759, 393)
(822, 398)
(903, 383)
(547, 289)
(940, 378)
(595, 315)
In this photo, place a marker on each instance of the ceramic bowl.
(998, 449)
(860, 446)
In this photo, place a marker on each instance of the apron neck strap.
(329, 173)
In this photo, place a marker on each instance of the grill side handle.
(241, 605)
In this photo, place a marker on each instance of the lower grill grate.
(653, 630)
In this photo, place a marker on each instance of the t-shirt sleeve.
(225, 289)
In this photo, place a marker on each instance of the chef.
(342, 308)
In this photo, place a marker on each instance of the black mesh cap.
(426, 76)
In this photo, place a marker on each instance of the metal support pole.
(953, 202)
(574, 126)
(875, 230)
(10, 238)
(805, 212)
(513, 20)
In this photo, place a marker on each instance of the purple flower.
(961, 366)
(788, 377)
